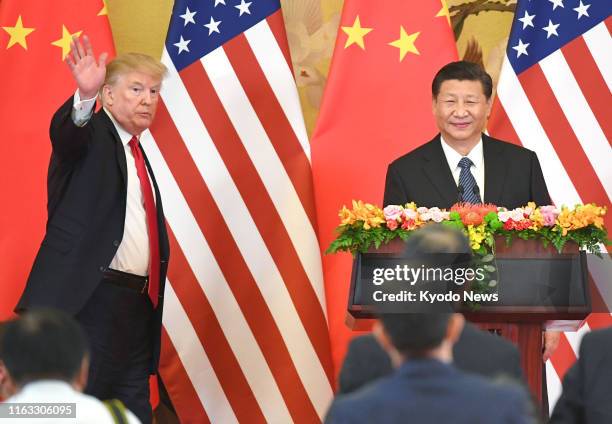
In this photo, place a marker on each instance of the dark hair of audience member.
(462, 71)
(414, 335)
(43, 344)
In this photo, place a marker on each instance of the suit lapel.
(119, 149)
(496, 167)
(436, 168)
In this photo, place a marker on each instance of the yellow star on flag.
(64, 42)
(104, 10)
(444, 12)
(405, 43)
(18, 34)
(355, 33)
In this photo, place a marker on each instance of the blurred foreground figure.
(45, 356)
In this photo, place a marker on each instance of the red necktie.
(149, 205)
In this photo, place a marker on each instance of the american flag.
(245, 334)
(554, 97)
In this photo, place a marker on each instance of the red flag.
(376, 107)
(34, 39)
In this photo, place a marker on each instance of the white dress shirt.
(477, 169)
(89, 410)
(133, 254)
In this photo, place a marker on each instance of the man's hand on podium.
(551, 342)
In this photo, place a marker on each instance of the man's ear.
(107, 95)
(381, 336)
(455, 327)
(80, 381)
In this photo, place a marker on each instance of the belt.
(125, 279)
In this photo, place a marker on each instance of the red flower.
(408, 224)
(392, 224)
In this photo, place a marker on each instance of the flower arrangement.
(365, 225)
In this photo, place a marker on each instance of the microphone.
(476, 190)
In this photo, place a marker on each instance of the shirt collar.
(453, 157)
(123, 134)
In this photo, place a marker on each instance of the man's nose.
(460, 109)
(146, 98)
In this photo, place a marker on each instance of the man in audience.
(475, 351)
(45, 355)
(426, 388)
(587, 386)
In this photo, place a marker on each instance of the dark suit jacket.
(87, 192)
(476, 351)
(513, 177)
(428, 391)
(587, 386)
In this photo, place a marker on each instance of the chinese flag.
(34, 39)
(376, 107)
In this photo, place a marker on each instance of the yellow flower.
(411, 205)
(476, 234)
(537, 219)
(346, 216)
(371, 215)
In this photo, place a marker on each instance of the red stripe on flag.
(499, 125)
(277, 26)
(599, 320)
(591, 82)
(261, 208)
(184, 398)
(236, 272)
(273, 119)
(210, 334)
(563, 358)
(562, 137)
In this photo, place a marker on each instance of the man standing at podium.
(105, 252)
(461, 163)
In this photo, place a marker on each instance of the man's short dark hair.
(462, 71)
(42, 344)
(414, 335)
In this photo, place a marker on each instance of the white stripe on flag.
(268, 165)
(532, 135)
(553, 385)
(575, 337)
(194, 360)
(599, 42)
(248, 239)
(580, 116)
(279, 76)
(213, 283)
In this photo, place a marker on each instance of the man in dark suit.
(476, 351)
(426, 388)
(432, 175)
(587, 394)
(461, 164)
(105, 252)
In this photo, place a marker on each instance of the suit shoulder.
(509, 148)
(597, 341)
(416, 154)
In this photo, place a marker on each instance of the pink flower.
(422, 210)
(517, 215)
(410, 214)
(436, 214)
(504, 216)
(392, 224)
(393, 212)
(425, 216)
(549, 214)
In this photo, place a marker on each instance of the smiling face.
(132, 100)
(461, 110)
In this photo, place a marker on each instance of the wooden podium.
(557, 284)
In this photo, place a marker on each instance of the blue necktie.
(467, 183)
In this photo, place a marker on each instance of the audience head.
(44, 344)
